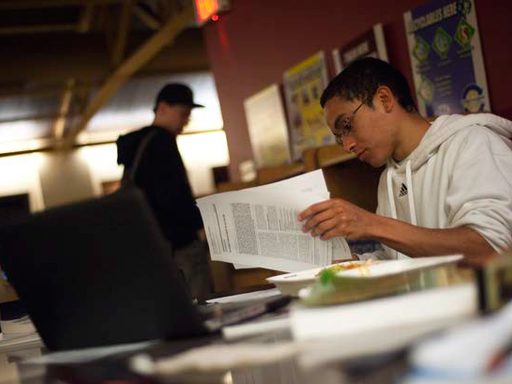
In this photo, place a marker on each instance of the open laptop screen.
(96, 273)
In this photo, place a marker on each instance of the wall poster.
(369, 44)
(446, 56)
(266, 121)
(303, 86)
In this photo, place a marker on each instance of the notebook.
(99, 273)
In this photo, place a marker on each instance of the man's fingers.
(316, 220)
(314, 209)
(325, 227)
(330, 234)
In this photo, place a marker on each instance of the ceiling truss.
(163, 19)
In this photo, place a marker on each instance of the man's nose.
(349, 143)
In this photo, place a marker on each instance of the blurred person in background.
(161, 175)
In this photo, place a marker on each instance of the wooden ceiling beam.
(36, 92)
(123, 31)
(147, 18)
(65, 103)
(37, 117)
(43, 28)
(141, 56)
(38, 4)
(84, 23)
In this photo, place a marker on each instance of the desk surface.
(387, 366)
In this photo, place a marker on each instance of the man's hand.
(337, 217)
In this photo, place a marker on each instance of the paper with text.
(259, 227)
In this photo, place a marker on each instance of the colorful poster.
(446, 56)
(369, 44)
(266, 121)
(303, 86)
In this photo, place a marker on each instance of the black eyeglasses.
(343, 127)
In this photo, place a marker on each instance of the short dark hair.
(361, 79)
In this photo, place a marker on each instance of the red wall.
(251, 46)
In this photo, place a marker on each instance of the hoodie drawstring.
(410, 196)
(389, 180)
(410, 193)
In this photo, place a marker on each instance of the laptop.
(99, 273)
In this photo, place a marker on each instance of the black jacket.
(162, 176)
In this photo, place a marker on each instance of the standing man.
(447, 185)
(162, 177)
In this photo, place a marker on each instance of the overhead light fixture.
(208, 10)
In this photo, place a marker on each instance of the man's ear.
(386, 98)
(162, 107)
(158, 107)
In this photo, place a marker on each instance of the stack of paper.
(338, 332)
(19, 334)
(476, 352)
(259, 227)
(385, 314)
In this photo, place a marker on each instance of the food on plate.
(347, 265)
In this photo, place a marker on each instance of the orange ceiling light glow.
(207, 10)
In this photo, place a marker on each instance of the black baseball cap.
(177, 93)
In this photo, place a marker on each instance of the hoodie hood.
(127, 146)
(445, 127)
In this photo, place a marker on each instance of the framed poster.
(446, 57)
(266, 121)
(369, 44)
(303, 86)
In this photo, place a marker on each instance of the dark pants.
(192, 260)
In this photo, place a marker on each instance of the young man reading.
(447, 185)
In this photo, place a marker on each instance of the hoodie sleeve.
(480, 190)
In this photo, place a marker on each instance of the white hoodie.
(459, 175)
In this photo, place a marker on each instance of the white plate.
(386, 268)
(395, 267)
(291, 283)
